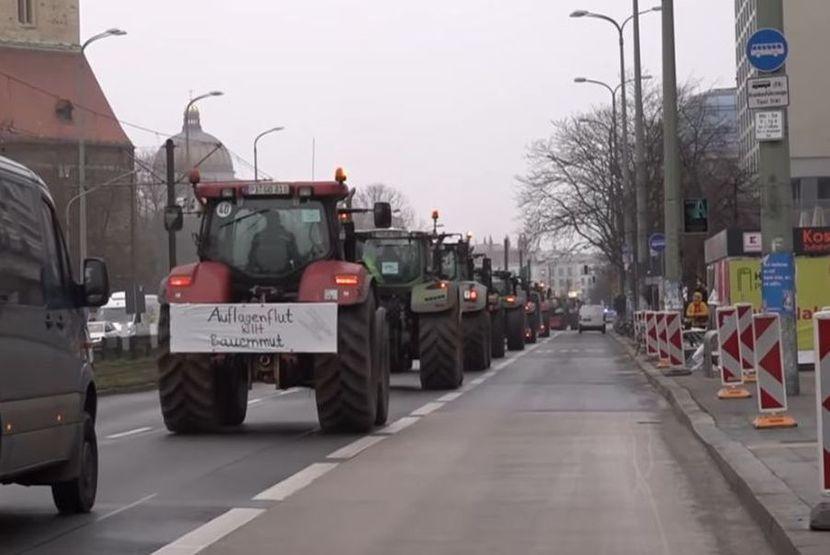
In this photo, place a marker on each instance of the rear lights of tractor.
(470, 295)
(180, 281)
(346, 279)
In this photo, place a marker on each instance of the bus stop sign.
(767, 50)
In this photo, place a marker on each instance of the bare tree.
(403, 215)
(571, 194)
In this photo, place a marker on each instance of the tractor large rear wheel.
(187, 385)
(441, 350)
(232, 379)
(477, 341)
(515, 329)
(346, 384)
(382, 366)
(497, 336)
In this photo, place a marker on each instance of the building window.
(25, 12)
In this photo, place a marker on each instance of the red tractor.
(276, 293)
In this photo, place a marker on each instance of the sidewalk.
(775, 472)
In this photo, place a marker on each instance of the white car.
(591, 317)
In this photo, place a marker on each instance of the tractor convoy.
(287, 291)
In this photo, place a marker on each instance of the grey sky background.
(438, 98)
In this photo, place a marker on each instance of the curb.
(781, 514)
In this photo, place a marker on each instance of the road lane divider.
(129, 433)
(126, 507)
(294, 483)
(450, 396)
(427, 409)
(356, 447)
(398, 425)
(210, 533)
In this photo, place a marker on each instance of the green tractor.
(424, 307)
(513, 300)
(457, 264)
(495, 306)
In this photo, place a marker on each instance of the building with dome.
(206, 152)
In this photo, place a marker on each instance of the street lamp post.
(187, 123)
(631, 234)
(79, 88)
(256, 155)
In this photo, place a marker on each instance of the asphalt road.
(565, 449)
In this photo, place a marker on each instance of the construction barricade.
(769, 368)
(662, 341)
(731, 372)
(820, 515)
(747, 341)
(652, 349)
(674, 339)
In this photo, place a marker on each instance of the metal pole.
(82, 221)
(639, 155)
(776, 201)
(256, 161)
(616, 172)
(170, 149)
(630, 223)
(506, 253)
(671, 157)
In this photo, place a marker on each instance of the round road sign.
(767, 50)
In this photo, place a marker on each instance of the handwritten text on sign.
(253, 328)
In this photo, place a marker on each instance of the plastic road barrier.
(747, 341)
(731, 372)
(769, 367)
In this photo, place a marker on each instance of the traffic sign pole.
(767, 51)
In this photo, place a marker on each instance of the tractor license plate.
(253, 328)
(269, 189)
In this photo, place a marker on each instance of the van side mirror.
(173, 218)
(96, 283)
(383, 215)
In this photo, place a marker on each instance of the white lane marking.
(427, 409)
(254, 401)
(295, 483)
(398, 425)
(126, 507)
(450, 396)
(356, 447)
(129, 433)
(478, 381)
(210, 533)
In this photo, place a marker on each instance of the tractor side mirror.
(173, 218)
(383, 215)
(96, 286)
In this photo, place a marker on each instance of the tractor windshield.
(501, 286)
(449, 264)
(392, 261)
(267, 237)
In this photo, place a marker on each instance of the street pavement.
(562, 449)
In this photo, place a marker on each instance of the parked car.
(591, 317)
(98, 331)
(115, 314)
(47, 391)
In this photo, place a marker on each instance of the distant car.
(100, 330)
(47, 390)
(591, 317)
(115, 314)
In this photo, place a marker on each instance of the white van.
(115, 314)
(592, 317)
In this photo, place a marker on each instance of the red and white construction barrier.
(651, 334)
(820, 515)
(747, 340)
(674, 339)
(662, 341)
(822, 346)
(731, 374)
(769, 366)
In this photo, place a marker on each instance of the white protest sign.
(253, 328)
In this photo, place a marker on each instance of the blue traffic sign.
(778, 282)
(657, 242)
(767, 50)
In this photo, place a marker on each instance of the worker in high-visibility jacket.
(698, 311)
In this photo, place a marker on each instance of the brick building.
(49, 98)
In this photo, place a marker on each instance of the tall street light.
(79, 87)
(256, 156)
(187, 123)
(631, 224)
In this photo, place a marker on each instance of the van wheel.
(78, 495)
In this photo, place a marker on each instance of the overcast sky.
(437, 98)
